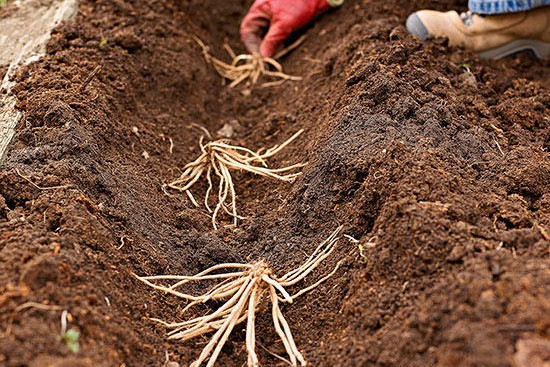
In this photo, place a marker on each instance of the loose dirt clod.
(246, 290)
(221, 157)
(248, 67)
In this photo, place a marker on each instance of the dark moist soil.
(436, 161)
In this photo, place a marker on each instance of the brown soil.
(444, 172)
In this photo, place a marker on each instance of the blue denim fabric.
(504, 6)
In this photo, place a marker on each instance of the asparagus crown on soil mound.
(248, 67)
(245, 287)
(221, 157)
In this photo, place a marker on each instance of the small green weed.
(362, 253)
(70, 337)
(102, 43)
(466, 67)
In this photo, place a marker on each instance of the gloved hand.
(282, 17)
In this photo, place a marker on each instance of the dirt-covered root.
(220, 157)
(245, 287)
(250, 68)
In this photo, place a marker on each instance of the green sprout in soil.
(466, 67)
(70, 337)
(102, 43)
(3, 3)
(362, 252)
(246, 289)
(219, 158)
(362, 247)
(249, 67)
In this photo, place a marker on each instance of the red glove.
(282, 17)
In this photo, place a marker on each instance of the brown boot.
(492, 36)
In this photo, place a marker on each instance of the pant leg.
(504, 6)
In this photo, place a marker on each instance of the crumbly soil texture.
(436, 161)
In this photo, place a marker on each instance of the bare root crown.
(245, 288)
(219, 157)
(249, 67)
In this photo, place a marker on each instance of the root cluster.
(246, 289)
(219, 158)
(248, 67)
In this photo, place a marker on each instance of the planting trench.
(436, 161)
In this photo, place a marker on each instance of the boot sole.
(540, 49)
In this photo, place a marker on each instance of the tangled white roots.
(220, 158)
(249, 67)
(246, 289)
